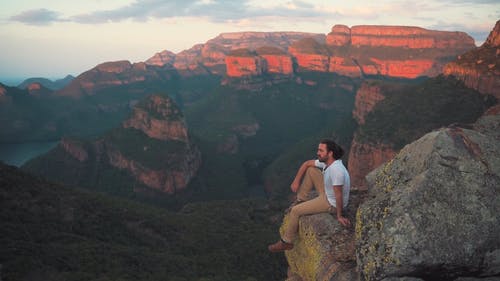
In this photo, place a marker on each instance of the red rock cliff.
(243, 62)
(366, 97)
(480, 68)
(165, 124)
(398, 36)
(365, 157)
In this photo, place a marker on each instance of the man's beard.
(322, 160)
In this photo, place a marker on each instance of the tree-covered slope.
(51, 232)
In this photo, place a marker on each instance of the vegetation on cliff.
(407, 114)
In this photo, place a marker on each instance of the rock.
(74, 148)
(161, 59)
(484, 76)
(402, 279)
(408, 37)
(364, 157)
(478, 279)
(244, 64)
(159, 118)
(367, 96)
(493, 39)
(324, 249)
(339, 36)
(430, 212)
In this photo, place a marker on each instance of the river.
(17, 154)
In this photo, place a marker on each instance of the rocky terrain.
(480, 68)
(427, 216)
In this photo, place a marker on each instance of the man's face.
(322, 153)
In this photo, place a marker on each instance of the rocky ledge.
(430, 214)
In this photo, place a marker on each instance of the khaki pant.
(319, 204)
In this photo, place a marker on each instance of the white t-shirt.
(335, 174)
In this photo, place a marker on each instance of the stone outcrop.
(480, 68)
(165, 124)
(432, 211)
(429, 215)
(364, 157)
(164, 58)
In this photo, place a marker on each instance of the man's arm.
(300, 173)
(339, 202)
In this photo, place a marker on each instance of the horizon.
(58, 39)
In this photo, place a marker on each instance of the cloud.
(215, 10)
(144, 10)
(37, 17)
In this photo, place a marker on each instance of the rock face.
(367, 97)
(363, 158)
(395, 51)
(430, 212)
(397, 36)
(165, 124)
(161, 59)
(480, 68)
(210, 57)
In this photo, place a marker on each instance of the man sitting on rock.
(332, 184)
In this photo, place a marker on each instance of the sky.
(59, 37)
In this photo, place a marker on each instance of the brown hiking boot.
(280, 246)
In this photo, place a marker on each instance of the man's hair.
(338, 152)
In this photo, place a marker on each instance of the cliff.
(396, 51)
(367, 96)
(158, 118)
(152, 150)
(391, 115)
(112, 75)
(427, 216)
(397, 36)
(210, 57)
(364, 157)
(480, 68)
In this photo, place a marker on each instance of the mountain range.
(234, 117)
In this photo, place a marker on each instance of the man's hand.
(344, 221)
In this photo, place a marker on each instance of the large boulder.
(432, 211)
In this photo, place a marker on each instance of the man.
(332, 184)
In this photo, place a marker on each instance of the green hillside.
(50, 232)
(414, 110)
